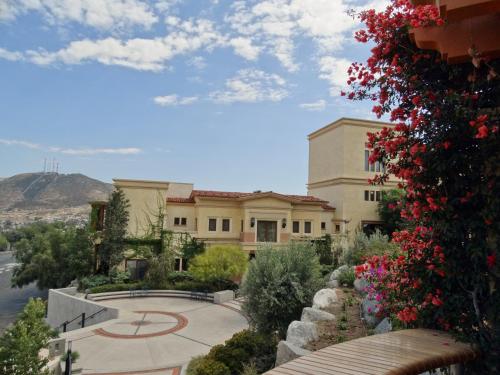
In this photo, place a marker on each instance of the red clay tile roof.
(237, 195)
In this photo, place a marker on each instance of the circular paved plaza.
(154, 335)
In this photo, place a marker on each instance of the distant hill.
(33, 191)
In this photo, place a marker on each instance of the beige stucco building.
(217, 217)
(339, 171)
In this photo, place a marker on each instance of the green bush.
(279, 283)
(347, 277)
(177, 276)
(206, 366)
(4, 244)
(219, 262)
(115, 287)
(119, 277)
(246, 349)
(327, 269)
(93, 281)
(367, 246)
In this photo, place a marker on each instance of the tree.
(220, 262)
(4, 244)
(114, 232)
(53, 255)
(21, 343)
(389, 210)
(323, 247)
(279, 283)
(445, 147)
(191, 247)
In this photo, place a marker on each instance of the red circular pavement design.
(181, 323)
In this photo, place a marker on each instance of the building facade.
(339, 170)
(216, 217)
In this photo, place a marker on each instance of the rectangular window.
(196, 224)
(337, 228)
(377, 196)
(367, 195)
(372, 195)
(226, 225)
(177, 220)
(377, 166)
(183, 221)
(242, 225)
(367, 162)
(307, 227)
(212, 225)
(296, 227)
(323, 225)
(267, 231)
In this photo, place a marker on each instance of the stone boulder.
(360, 285)
(370, 309)
(384, 326)
(287, 351)
(300, 333)
(310, 314)
(332, 284)
(335, 274)
(324, 298)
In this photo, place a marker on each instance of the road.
(12, 300)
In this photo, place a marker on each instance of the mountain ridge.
(40, 190)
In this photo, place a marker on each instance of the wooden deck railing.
(406, 352)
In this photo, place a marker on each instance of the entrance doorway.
(267, 231)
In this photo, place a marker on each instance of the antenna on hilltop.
(44, 165)
(57, 167)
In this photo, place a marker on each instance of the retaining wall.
(64, 305)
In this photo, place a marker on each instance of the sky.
(220, 93)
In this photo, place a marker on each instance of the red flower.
(491, 260)
(482, 132)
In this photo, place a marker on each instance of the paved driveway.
(154, 335)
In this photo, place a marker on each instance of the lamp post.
(67, 369)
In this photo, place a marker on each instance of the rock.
(287, 351)
(300, 333)
(332, 284)
(370, 309)
(324, 298)
(384, 326)
(360, 285)
(310, 314)
(335, 274)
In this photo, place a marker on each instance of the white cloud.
(276, 24)
(165, 5)
(15, 142)
(104, 15)
(11, 56)
(334, 70)
(198, 62)
(243, 47)
(250, 86)
(71, 151)
(97, 151)
(319, 105)
(174, 100)
(139, 53)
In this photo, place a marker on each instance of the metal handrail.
(82, 317)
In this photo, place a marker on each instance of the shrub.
(4, 244)
(323, 247)
(246, 349)
(206, 366)
(119, 277)
(159, 267)
(219, 262)
(367, 246)
(115, 287)
(279, 283)
(347, 277)
(176, 276)
(91, 282)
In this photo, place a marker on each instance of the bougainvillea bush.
(445, 147)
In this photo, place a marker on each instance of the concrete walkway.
(154, 335)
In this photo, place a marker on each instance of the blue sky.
(219, 93)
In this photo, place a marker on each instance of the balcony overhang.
(469, 23)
